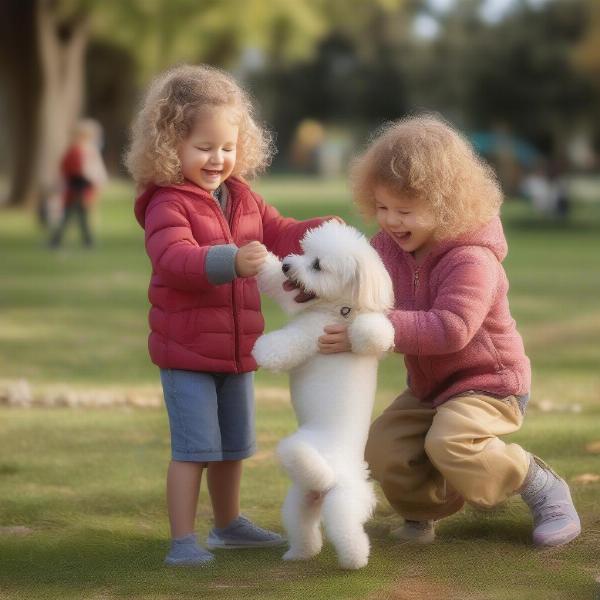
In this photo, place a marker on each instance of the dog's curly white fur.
(338, 279)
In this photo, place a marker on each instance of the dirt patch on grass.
(272, 395)
(414, 588)
(15, 530)
(21, 393)
(260, 457)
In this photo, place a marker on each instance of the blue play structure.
(490, 144)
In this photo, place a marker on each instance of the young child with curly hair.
(438, 444)
(194, 140)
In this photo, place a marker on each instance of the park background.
(83, 435)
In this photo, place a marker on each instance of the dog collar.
(345, 311)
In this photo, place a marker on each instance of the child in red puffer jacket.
(207, 234)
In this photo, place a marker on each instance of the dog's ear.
(372, 287)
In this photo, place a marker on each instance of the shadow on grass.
(489, 530)
(509, 523)
(93, 563)
(91, 560)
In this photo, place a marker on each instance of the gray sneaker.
(555, 519)
(185, 552)
(419, 532)
(242, 533)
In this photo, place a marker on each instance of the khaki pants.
(429, 461)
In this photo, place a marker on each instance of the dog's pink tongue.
(288, 285)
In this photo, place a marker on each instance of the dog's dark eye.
(316, 265)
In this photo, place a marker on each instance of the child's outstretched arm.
(282, 235)
(465, 294)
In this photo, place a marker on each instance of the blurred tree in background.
(44, 44)
(42, 52)
(340, 66)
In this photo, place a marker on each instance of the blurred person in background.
(546, 187)
(83, 173)
(537, 189)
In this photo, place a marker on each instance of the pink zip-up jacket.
(452, 318)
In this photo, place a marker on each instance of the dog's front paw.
(270, 276)
(371, 334)
(272, 352)
(263, 353)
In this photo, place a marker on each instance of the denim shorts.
(211, 415)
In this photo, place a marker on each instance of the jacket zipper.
(233, 288)
(415, 281)
(227, 226)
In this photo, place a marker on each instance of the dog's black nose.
(285, 267)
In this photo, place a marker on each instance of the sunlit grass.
(89, 483)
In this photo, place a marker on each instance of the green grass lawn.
(89, 484)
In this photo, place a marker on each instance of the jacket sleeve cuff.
(220, 264)
(406, 331)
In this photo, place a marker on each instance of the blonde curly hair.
(425, 158)
(167, 116)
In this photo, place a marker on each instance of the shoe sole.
(557, 542)
(225, 546)
(184, 563)
(425, 537)
(416, 540)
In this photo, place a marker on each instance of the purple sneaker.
(555, 520)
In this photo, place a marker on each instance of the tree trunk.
(21, 70)
(62, 53)
(44, 62)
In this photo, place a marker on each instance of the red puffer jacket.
(196, 325)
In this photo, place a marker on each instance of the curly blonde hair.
(167, 116)
(425, 158)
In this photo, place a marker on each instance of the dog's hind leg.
(345, 509)
(305, 464)
(301, 521)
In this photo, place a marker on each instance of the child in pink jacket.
(438, 444)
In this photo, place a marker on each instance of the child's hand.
(249, 259)
(335, 340)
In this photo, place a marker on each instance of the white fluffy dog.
(338, 279)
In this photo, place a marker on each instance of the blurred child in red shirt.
(83, 173)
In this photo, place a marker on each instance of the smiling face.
(406, 220)
(208, 153)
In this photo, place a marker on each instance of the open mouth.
(212, 173)
(402, 237)
(303, 295)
